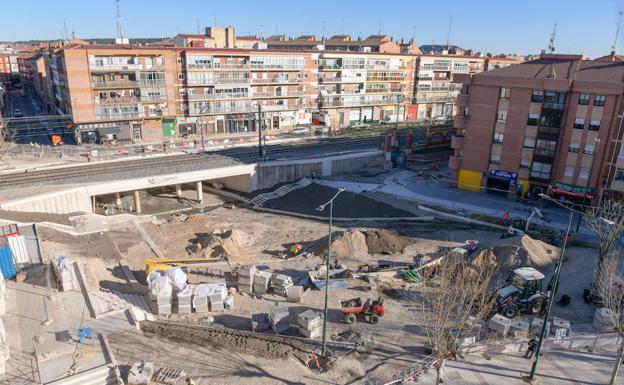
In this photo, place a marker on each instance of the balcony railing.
(385, 78)
(553, 106)
(218, 96)
(265, 66)
(210, 109)
(436, 67)
(128, 83)
(119, 115)
(276, 79)
(213, 81)
(126, 67)
(131, 99)
(215, 66)
(434, 99)
(288, 94)
(338, 102)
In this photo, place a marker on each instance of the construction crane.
(551, 41)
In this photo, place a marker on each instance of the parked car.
(17, 113)
(300, 130)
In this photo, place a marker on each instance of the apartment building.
(32, 72)
(358, 87)
(373, 43)
(8, 67)
(553, 124)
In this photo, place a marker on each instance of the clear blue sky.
(513, 26)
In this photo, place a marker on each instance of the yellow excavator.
(152, 264)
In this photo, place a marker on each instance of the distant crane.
(551, 42)
(120, 35)
(448, 33)
(617, 32)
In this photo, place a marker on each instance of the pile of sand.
(353, 243)
(225, 245)
(517, 252)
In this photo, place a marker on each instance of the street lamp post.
(329, 252)
(555, 281)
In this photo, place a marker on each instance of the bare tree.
(607, 222)
(610, 292)
(453, 300)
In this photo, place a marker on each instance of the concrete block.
(519, 329)
(602, 321)
(247, 270)
(245, 280)
(560, 324)
(229, 302)
(216, 306)
(536, 326)
(247, 289)
(260, 322)
(309, 319)
(294, 293)
(141, 373)
(313, 333)
(499, 324)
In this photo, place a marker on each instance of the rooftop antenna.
(261, 27)
(198, 29)
(120, 35)
(342, 26)
(323, 35)
(617, 32)
(551, 42)
(448, 33)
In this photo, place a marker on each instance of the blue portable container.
(7, 265)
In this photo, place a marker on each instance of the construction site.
(231, 290)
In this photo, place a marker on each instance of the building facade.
(548, 125)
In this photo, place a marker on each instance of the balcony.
(210, 109)
(385, 78)
(462, 100)
(460, 121)
(330, 79)
(120, 115)
(277, 107)
(435, 67)
(289, 94)
(131, 99)
(217, 66)
(288, 67)
(434, 99)
(128, 83)
(276, 80)
(457, 142)
(126, 67)
(455, 162)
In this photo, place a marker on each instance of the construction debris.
(521, 251)
(141, 373)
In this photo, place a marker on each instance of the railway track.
(212, 159)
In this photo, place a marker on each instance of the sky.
(499, 26)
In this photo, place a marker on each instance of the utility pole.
(261, 144)
(617, 32)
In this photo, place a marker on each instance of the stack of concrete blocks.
(476, 328)
(560, 327)
(216, 296)
(500, 325)
(200, 298)
(64, 273)
(260, 322)
(603, 322)
(519, 329)
(261, 282)
(280, 320)
(294, 293)
(536, 326)
(310, 324)
(161, 294)
(280, 284)
(184, 300)
(246, 278)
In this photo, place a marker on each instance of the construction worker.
(531, 348)
(189, 381)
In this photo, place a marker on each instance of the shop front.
(501, 181)
(574, 193)
(101, 133)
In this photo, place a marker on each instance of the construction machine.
(370, 310)
(522, 293)
(152, 264)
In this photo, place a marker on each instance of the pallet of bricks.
(280, 319)
(246, 275)
(280, 284)
(310, 324)
(64, 274)
(261, 282)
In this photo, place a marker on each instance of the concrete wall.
(61, 202)
(241, 183)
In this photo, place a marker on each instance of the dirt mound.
(517, 252)
(353, 242)
(227, 244)
(385, 242)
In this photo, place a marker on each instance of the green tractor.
(522, 293)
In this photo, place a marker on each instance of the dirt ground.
(392, 345)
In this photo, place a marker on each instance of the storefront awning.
(571, 190)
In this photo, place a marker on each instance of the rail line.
(217, 158)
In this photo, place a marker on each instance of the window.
(541, 170)
(583, 99)
(525, 163)
(554, 100)
(545, 147)
(504, 93)
(495, 158)
(533, 119)
(594, 125)
(180, 76)
(600, 100)
(589, 149)
(579, 123)
(537, 96)
(498, 137)
(529, 142)
(574, 147)
(619, 176)
(553, 121)
(501, 116)
(583, 174)
(569, 171)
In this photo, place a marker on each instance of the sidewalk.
(557, 367)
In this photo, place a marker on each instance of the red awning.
(588, 195)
